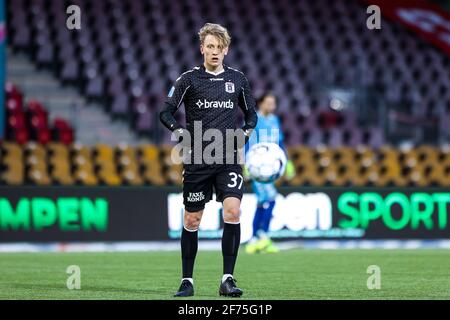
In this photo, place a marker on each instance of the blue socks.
(267, 216)
(257, 220)
(263, 215)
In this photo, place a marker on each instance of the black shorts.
(199, 180)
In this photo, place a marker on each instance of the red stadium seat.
(59, 123)
(35, 107)
(66, 136)
(13, 106)
(39, 121)
(21, 136)
(44, 136)
(17, 121)
(13, 93)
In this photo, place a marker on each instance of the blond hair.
(216, 30)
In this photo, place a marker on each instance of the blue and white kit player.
(268, 129)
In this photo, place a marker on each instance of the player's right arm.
(174, 99)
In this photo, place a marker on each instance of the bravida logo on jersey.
(215, 104)
(229, 87)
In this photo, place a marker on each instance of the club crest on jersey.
(229, 87)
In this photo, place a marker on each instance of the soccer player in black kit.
(212, 94)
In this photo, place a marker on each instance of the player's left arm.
(247, 103)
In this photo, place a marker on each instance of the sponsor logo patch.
(195, 196)
(215, 104)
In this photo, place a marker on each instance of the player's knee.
(231, 214)
(192, 224)
(192, 221)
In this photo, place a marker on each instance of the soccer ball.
(265, 162)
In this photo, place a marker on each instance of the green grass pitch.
(291, 274)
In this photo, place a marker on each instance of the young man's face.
(213, 52)
(268, 105)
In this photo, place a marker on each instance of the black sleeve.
(248, 104)
(173, 102)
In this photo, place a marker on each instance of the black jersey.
(212, 101)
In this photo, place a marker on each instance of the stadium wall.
(103, 214)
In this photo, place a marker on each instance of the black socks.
(230, 245)
(189, 246)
